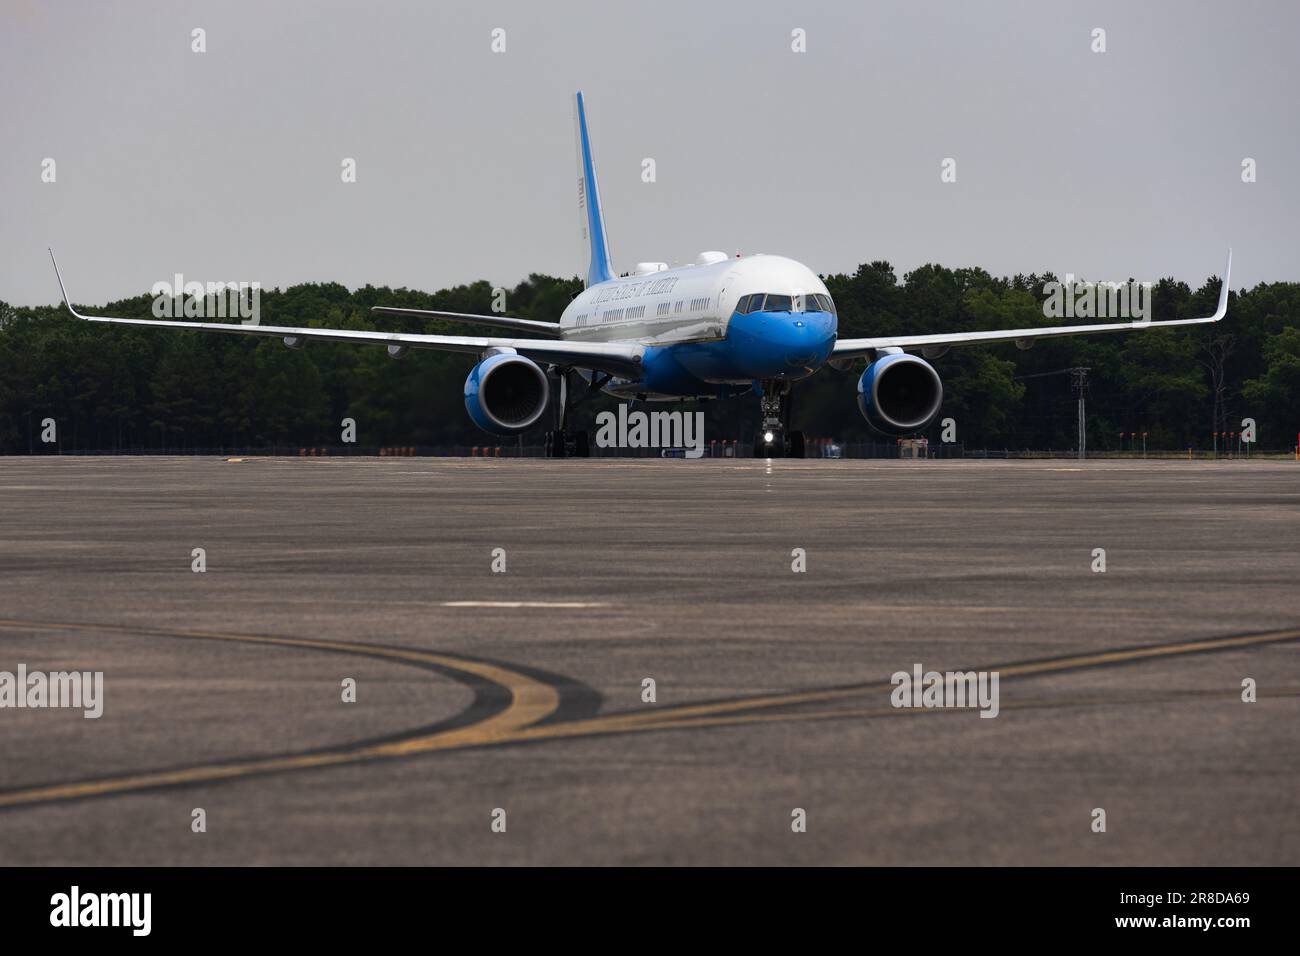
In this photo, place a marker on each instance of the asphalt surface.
(523, 690)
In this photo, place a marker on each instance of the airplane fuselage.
(711, 329)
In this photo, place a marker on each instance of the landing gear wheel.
(795, 445)
(567, 444)
(560, 441)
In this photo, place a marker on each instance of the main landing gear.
(775, 438)
(562, 442)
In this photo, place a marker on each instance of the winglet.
(1222, 310)
(57, 275)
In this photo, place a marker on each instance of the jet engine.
(506, 393)
(899, 394)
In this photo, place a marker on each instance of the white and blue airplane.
(720, 327)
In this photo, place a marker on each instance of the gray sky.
(226, 165)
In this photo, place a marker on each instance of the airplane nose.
(808, 340)
(785, 345)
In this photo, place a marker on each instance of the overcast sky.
(226, 165)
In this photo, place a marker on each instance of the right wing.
(852, 348)
(621, 359)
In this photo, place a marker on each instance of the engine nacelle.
(506, 394)
(899, 394)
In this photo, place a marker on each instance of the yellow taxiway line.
(533, 701)
(530, 701)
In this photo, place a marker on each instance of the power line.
(1079, 383)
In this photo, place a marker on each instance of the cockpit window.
(816, 302)
(770, 302)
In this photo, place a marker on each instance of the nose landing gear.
(775, 438)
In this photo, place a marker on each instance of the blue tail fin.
(593, 218)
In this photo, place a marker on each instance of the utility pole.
(1079, 381)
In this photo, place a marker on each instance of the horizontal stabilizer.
(498, 321)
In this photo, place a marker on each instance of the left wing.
(851, 348)
(622, 359)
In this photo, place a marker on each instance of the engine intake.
(506, 394)
(899, 394)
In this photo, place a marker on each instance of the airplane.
(718, 328)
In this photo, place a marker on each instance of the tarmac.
(502, 716)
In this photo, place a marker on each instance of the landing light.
(768, 436)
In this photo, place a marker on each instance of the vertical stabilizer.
(593, 217)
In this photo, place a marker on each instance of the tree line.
(115, 388)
